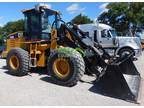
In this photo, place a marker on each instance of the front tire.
(125, 51)
(66, 66)
(18, 62)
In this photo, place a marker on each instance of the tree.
(81, 19)
(15, 26)
(0, 32)
(122, 15)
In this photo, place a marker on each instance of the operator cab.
(39, 21)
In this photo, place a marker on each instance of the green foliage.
(121, 15)
(0, 32)
(81, 19)
(11, 27)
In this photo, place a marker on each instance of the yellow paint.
(54, 39)
(61, 68)
(43, 47)
(16, 42)
(69, 36)
(14, 62)
(37, 50)
(41, 61)
(143, 45)
(16, 33)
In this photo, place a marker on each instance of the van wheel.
(125, 51)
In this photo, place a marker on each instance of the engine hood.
(129, 41)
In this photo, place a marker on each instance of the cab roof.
(39, 8)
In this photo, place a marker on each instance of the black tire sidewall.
(19, 53)
(76, 62)
(70, 61)
(125, 50)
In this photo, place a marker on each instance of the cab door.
(106, 39)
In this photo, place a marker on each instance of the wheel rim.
(125, 53)
(14, 62)
(61, 67)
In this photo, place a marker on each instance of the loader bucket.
(122, 79)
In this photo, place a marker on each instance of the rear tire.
(18, 62)
(75, 66)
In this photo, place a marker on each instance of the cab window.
(95, 36)
(105, 34)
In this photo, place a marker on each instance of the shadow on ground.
(39, 71)
(4, 67)
(115, 87)
(107, 86)
(49, 80)
(121, 82)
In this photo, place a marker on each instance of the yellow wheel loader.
(64, 49)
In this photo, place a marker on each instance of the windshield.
(47, 22)
(113, 32)
(38, 25)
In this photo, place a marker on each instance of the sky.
(12, 11)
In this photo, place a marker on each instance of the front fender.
(128, 44)
(118, 49)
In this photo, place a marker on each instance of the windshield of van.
(113, 32)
